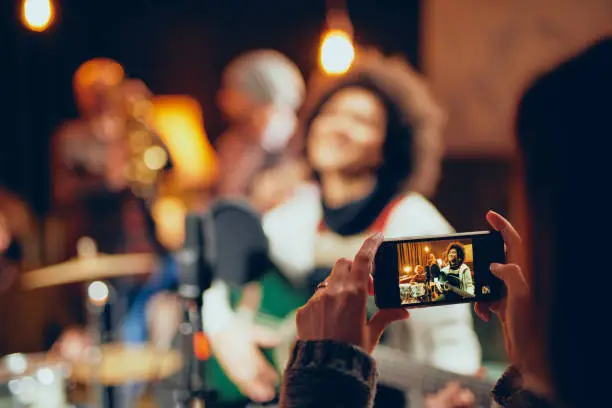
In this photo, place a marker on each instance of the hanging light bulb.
(37, 14)
(337, 52)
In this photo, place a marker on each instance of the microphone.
(194, 271)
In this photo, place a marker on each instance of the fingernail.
(495, 266)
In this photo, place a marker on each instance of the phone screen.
(438, 270)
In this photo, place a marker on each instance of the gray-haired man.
(261, 92)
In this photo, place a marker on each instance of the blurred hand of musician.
(451, 396)
(237, 350)
(73, 344)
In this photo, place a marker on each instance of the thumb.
(379, 322)
(265, 337)
(512, 276)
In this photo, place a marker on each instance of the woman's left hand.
(337, 311)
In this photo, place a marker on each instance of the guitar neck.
(460, 292)
(397, 369)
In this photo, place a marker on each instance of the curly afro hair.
(457, 246)
(414, 146)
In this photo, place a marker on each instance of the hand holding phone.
(438, 270)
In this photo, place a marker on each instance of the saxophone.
(147, 155)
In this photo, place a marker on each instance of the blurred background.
(477, 56)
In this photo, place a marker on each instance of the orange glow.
(201, 347)
(178, 119)
(37, 15)
(337, 52)
(103, 71)
(169, 215)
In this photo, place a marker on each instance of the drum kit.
(41, 380)
(412, 292)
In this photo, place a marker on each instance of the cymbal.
(89, 269)
(121, 364)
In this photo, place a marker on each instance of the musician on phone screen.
(260, 94)
(457, 273)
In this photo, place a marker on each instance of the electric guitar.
(447, 287)
(279, 300)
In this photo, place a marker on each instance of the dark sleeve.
(435, 271)
(509, 392)
(328, 374)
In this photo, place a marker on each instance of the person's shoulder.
(414, 215)
(303, 205)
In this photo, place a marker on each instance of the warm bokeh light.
(86, 247)
(98, 293)
(426, 249)
(179, 121)
(155, 158)
(407, 269)
(337, 52)
(169, 215)
(37, 15)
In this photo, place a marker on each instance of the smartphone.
(438, 270)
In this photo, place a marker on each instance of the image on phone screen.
(452, 269)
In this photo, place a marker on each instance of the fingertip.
(378, 237)
(495, 220)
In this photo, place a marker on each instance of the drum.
(417, 290)
(404, 292)
(33, 381)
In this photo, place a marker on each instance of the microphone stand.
(191, 391)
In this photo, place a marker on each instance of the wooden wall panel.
(480, 54)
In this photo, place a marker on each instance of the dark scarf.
(358, 216)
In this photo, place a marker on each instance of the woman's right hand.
(513, 309)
